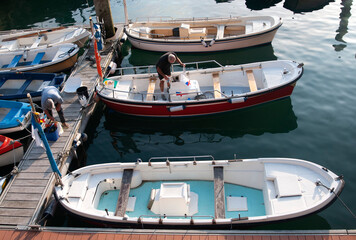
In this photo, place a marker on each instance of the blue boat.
(16, 85)
(14, 116)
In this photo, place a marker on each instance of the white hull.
(216, 34)
(289, 189)
(11, 157)
(21, 40)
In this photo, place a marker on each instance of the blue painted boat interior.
(12, 113)
(15, 85)
(205, 191)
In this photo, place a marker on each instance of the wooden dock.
(23, 201)
(97, 234)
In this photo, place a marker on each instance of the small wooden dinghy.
(198, 194)
(14, 116)
(47, 59)
(203, 35)
(201, 91)
(22, 40)
(16, 85)
(10, 151)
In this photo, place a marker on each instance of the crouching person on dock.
(50, 99)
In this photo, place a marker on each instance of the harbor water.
(317, 123)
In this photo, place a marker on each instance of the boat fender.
(212, 42)
(203, 42)
(112, 67)
(237, 100)
(177, 108)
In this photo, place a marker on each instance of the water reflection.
(299, 6)
(343, 25)
(35, 11)
(260, 4)
(138, 57)
(129, 134)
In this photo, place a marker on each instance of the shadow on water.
(275, 117)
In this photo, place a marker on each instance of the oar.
(33, 34)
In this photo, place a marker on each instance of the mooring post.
(103, 11)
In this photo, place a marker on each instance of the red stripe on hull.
(204, 108)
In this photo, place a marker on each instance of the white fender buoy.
(203, 43)
(177, 108)
(212, 42)
(237, 100)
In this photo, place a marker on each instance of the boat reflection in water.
(275, 117)
(138, 57)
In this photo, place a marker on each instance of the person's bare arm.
(162, 74)
(49, 115)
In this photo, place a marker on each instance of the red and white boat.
(10, 151)
(200, 91)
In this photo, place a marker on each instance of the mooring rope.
(319, 183)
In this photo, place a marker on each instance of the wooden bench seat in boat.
(38, 58)
(219, 192)
(151, 89)
(15, 61)
(162, 32)
(123, 198)
(251, 80)
(217, 87)
(37, 42)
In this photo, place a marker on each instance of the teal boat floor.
(205, 191)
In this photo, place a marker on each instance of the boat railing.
(137, 69)
(164, 216)
(171, 19)
(194, 158)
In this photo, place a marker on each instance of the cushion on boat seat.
(237, 204)
(287, 186)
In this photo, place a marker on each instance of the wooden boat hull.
(236, 33)
(289, 188)
(10, 152)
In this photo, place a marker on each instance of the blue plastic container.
(52, 133)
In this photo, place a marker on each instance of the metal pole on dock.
(103, 11)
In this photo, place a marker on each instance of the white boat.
(198, 194)
(202, 34)
(47, 59)
(200, 91)
(11, 151)
(21, 40)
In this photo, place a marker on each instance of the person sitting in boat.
(50, 99)
(163, 67)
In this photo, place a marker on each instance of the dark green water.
(317, 123)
